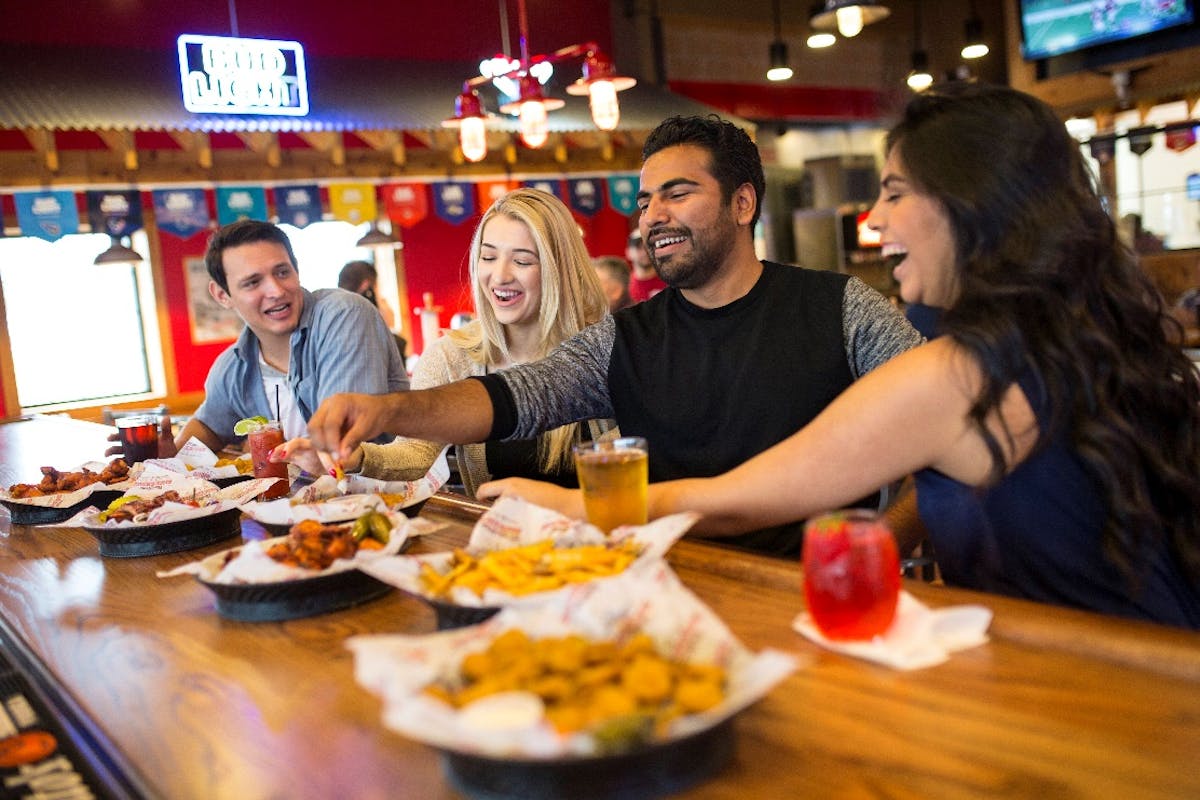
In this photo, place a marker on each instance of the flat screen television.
(1052, 28)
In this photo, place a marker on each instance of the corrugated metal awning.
(82, 88)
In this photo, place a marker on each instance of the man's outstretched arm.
(458, 413)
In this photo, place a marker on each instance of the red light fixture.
(600, 82)
(470, 120)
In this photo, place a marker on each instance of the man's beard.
(697, 267)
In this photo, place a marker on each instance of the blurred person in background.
(613, 273)
(361, 277)
(644, 281)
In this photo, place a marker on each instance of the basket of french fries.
(618, 688)
(521, 554)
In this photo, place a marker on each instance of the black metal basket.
(305, 597)
(29, 514)
(652, 771)
(134, 541)
(452, 615)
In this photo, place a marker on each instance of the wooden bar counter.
(1058, 704)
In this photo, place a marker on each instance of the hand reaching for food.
(300, 451)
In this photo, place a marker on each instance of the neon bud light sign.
(223, 75)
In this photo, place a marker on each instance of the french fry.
(536, 567)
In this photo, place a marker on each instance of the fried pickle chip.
(621, 694)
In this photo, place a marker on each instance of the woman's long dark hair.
(1045, 285)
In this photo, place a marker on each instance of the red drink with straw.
(264, 438)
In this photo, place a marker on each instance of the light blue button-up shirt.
(340, 345)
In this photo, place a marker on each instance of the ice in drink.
(263, 440)
(613, 477)
(139, 437)
(851, 574)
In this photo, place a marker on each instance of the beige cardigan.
(408, 459)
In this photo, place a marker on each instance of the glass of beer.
(263, 439)
(851, 574)
(613, 476)
(139, 437)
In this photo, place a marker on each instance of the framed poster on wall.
(211, 322)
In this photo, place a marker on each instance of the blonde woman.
(533, 286)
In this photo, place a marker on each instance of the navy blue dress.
(1037, 535)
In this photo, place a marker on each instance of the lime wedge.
(244, 426)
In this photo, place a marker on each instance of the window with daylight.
(79, 330)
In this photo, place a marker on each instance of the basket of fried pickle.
(520, 554)
(633, 668)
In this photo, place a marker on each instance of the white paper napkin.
(918, 637)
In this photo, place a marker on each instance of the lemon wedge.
(248, 425)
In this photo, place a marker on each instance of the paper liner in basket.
(195, 459)
(250, 564)
(153, 480)
(398, 668)
(68, 499)
(322, 500)
(918, 637)
(512, 522)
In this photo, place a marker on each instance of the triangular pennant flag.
(586, 195)
(1181, 138)
(352, 202)
(622, 193)
(47, 215)
(298, 205)
(406, 203)
(240, 202)
(1141, 140)
(117, 213)
(454, 201)
(548, 185)
(182, 212)
(1103, 147)
(491, 191)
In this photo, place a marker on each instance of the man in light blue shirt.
(298, 347)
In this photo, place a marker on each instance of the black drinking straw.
(278, 414)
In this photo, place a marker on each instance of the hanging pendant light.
(471, 122)
(118, 253)
(777, 54)
(374, 237)
(974, 46)
(919, 78)
(848, 16)
(531, 108)
(600, 82)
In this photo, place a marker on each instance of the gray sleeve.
(568, 385)
(873, 329)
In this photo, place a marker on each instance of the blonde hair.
(572, 297)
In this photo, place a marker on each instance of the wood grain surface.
(1058, 704)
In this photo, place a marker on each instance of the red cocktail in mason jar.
(263, 439)
(851, 574)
